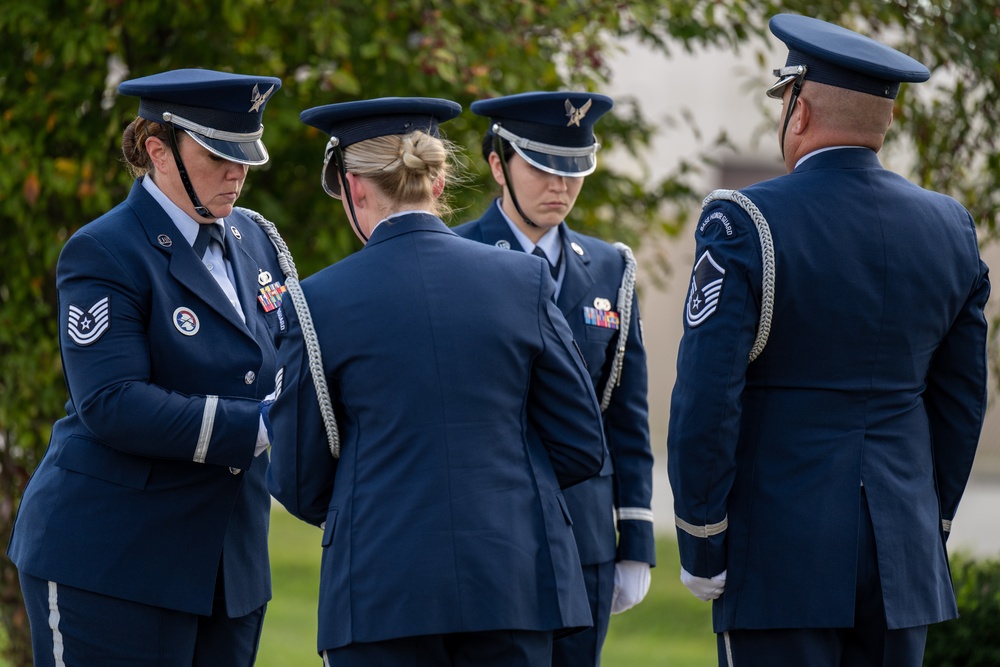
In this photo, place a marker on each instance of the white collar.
(549, 243)
(818, 151)
(187, 225)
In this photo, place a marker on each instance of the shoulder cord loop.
(287, 265)
(625, 294)
(767, 261)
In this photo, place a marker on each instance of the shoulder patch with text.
(717, 219)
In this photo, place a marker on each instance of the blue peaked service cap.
(351, 122)
(219, 110)
(840, 57)
(553, 131)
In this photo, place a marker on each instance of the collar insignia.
(576, 115)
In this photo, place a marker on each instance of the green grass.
(670, 627)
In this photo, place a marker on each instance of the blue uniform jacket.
(462, 407)
(624, 489)
(874, 374)
(150, 480)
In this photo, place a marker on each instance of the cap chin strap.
(338, 157)
(350, 205)
(498, 149)
(199, 208)
(796, 89)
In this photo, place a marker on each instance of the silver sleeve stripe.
(207, 425)
(702, 531)
(946, 525)
(54, 618)
(635, 514)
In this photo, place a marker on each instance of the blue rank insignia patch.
(270, 296)
(706, 285)
(606, 319)
(85, 327)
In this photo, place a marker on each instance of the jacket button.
(235, 471)
(250, 377)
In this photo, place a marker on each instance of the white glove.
(263, 437)
(631, 585)
(704, 589)
(262, 440)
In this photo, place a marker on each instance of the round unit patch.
(186, 321)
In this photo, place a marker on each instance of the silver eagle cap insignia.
(256, 99)
(576, 115)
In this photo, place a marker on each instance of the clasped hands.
(703, 588)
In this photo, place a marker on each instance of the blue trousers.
(71, 627)
(583, 649)
(496, 648)
(868, 644)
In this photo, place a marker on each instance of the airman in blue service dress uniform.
(461, 405)
(142, 536)
(540, 146)
(815, 486)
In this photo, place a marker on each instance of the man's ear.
(803, 116)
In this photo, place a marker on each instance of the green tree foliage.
(970, 640)
(61, 122)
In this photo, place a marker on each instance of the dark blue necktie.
(206, 234)
(553, 268)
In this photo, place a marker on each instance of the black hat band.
(380, 126)
(242, 124)
(841, 77)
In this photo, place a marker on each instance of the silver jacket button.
(250, 377)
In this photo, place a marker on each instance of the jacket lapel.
(496, 231)
(184, 267)
(246, 271)
(578, 281)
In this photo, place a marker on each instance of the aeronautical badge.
(85, 327)
(186, 321)
(270, 296)
(706, 285)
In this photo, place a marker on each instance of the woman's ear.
(438, 186)
(159, 154)
(359, 190)
(497, 168)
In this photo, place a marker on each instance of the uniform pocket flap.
(95, 459)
